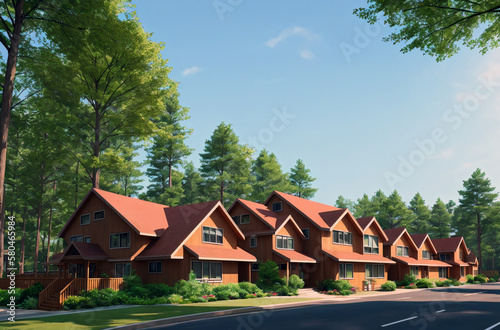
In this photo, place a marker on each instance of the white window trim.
(203, 240)
(369, 240)
(342, 231)
(84, 224)
(402, 251)
(161, 267)
(104, 215)
(293, 240)
(121, 247)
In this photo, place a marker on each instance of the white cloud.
(190, 71)
(307, 54)
(292, 31)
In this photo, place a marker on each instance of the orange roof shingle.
(215, 253)
(294, 256)
(424, 262)
(345, 256)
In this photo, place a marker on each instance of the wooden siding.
(255, 223)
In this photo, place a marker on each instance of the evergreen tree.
(394, 212)
(191, 185)
(377, 207)
(167, 153)
(440, 221)
(476, 200)
(491, 255)
(225, 166)
(451, 205)
(267, 177)
(344, 203)
(363, 207)
(302, 181)
(422, 214)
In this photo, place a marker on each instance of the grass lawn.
(121, 316)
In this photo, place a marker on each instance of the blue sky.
(310, 80)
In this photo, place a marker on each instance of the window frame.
(442, 269)
(338, 232)
(275, 208)
(253, 239)
(255, 267)
(304, 231)
(103, 215)
(403, 249)
(215, 235)
(370, 244)
(414, 270)
(77, 240)
(343, 272)
(245, 216)
(209, 268)
(85, 239)
(370, 267)
(236, 219)
(119, 240)
(444, 256)
(284, 239)
(123, 271)
(155, 270)
(462, 271)
(81, 217)
(423, 254)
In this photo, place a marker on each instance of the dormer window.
(245, 218)
(236, 219)
(342, 237)
(277, 207)
(370, 244)
(426, 254)
(99, 215)
(402, 251)
(284, 242)
(85, 219)
(212, 235)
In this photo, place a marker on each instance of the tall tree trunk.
(76, 183)
(479, 234)
(96, 171)
(170, 174)
(8, 90)
(50, 228)
(23, 239)
(39, 221)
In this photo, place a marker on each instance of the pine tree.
(191, 185)
(422, 214)
(302, 181)
(167, 153)
(225, 166)
(394, 212)
(363, 207)
(344, 203)
(476, 200)
(440, 221)
(267, 177)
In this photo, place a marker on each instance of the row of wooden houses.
(110, 236)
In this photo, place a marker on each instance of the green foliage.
(188, 289)
(407, 280)
(481, 278)
(295, 282)
(424, 283)
(175, 299)
(267, 177)
(191, 185)
(78, 302)
(394, 213)
(225, 166)
(421, 215)
(344, 203)
(388, 286)
(343, 287)
(132, 281)
(31, 292)
(440, 221)
(104, 297)
(437, 29)
(302, 181)
(249, 287)
(158, 289)
(363, 207)
(268, 275)
(285, 290)
(470, 278)
(5, 296)
(30, 303)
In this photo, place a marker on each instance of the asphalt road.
(465, 307)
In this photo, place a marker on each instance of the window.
(346, 271)
(462, 271)
(475, 272)
(205, 270)
(305, 231)
(443, 272)
(284, 242)
(414, 270)
(277, 207)
(236, 219)
(253, 241)
(370, 244)
(374, 271)
(255, 267)
(85, 219)
(122, 270)
(99, 215)
(120, 240)
(282, 266)
(155, 266)
(212, 235)
(402, 251)
(342, 237)
(245, 218)
(444, 257)
(76, 238)
(426, 254)
(87, 239)
(460, 255)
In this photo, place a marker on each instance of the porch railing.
(55, 287)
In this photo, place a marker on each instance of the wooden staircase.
(51, 297)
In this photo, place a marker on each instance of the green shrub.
(222, 295)
(131, 281)
(492, 279)
(5, 296)
(325, 285)
(30, 303)
(424, 283)
(268, 275)
(251, 295)
(455, 282)
(295, 282)
(439, 284)
(447, 282)
(481, 278)
(388, 286)
(343, 287)
(408, 280)
(158, 289)
(411, 286)
(138, 291)
(188, 289)
(32, 291)
(249, 287)
(162, 300)
(470, 278)
(78, 302)
(175, 299)
(285, 290)
(206, 289)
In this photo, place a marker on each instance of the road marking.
(392, 323)
(470, 294)
(402, 298)
(440, 311)
(493, 326)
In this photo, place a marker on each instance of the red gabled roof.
(346, 256)
(394, 234)
(419, 240)
(182, 222)
(323, 216)
(88, 251)
(366, 222)
(423, 262)
(471, 258)
(294, 256)
(145, 218)
(216, 253)
(450, 244)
